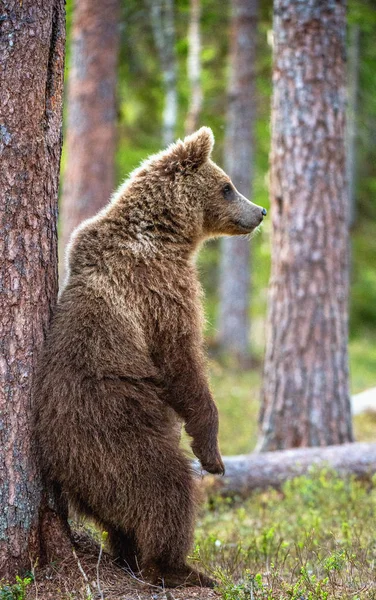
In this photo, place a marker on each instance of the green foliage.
(363, 279)
(362, 13)
(250, 586)
(237, 396)
(314, 540)
(16, 591)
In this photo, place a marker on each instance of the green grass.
(314, 540)
(362, 363)
(238, 395)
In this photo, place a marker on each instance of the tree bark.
(89, 176)
(162, 21)
(305, 398)
(249, 472)
(234, 290)
(194, 69)
(31, 81)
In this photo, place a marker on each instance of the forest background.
(313, 537)
(140, 104)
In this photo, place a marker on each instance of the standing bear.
(123, 363)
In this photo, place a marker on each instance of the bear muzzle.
(249, 216)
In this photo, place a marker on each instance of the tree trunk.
(89, 176)
(305, 399)
(194, 69)
(352, 109)
(233, 322)
(249, 472)
(162, 21)
(31, 82)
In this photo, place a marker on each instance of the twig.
(98, 581)
(129, 572)
(88, 588)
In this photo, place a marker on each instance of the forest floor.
(313, 540)
(83, 576)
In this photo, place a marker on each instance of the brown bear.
(123, 362)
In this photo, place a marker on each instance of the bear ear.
(188, 155)
(199, 146)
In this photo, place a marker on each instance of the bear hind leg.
(166, 524)
(123, 547)
(122, 543)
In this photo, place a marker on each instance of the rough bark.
(31, 81)
(233, 321)
(194, 69)
(352, 108)
(89, 176)
(162, 21)
(249, 472)
(305, 398)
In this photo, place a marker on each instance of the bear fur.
(123, 362)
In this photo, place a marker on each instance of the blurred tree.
(362, 14)
(305, 399)
(31, 80)
(194, 68)
(162, 20)
(89, 175)
(352, 108)
(233, 323)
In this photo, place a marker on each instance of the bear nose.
(264, 211)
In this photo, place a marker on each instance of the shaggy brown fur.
(123, 361)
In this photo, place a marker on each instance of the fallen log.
(364, 401)
(257, 471)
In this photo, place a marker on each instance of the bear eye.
(227, 190)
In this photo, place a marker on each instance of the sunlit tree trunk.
(233, 321)
(305, 399)
(194, 69)
(89, 175)
(163, 25)
(31, 83)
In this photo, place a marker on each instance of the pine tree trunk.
(89, 176)
(162, 21)
(233, 322)
(194, 69)
(305, 399)
(31, 82)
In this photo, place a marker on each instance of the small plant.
(17, 591)
(251, 587)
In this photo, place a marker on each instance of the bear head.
(174, 201)
(191, 193)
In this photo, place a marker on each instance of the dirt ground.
(82, 577)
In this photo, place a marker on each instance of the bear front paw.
(215, 467)
(211, 461)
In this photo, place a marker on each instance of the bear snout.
(264, 212)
